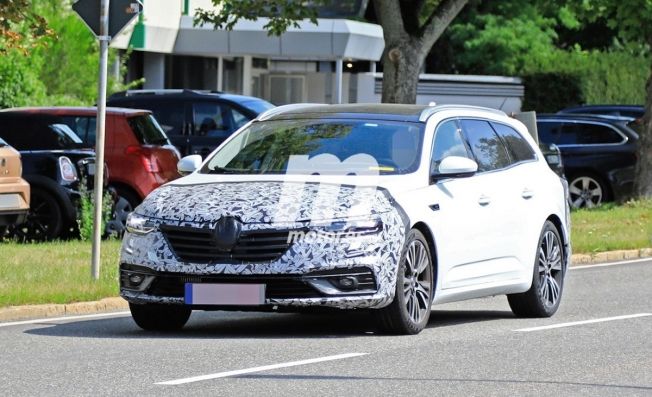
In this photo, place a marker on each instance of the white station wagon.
(391, 208)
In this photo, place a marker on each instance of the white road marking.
(611, 264)
(574, 323)
(51, 319)
(259, 369)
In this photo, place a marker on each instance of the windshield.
(332, 147)
(258, 106)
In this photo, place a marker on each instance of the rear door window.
(519, 149)
(212, 119)
(83, 127)
(171, 116)
(147, 130)
(489, 151)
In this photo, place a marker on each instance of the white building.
(333, 61)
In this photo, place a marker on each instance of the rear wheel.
(158, 317)
(44, 220)
(587, 191)
(542, 299)
(410, 310)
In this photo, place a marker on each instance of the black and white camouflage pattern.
(276, 205)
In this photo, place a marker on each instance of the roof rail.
(163, 91)
(429, 111)
(284, 109)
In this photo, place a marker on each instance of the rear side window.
(171, 116)
(83, 126)
(588, 134)
(519, 149)
(147, 130)
(212, 119)
(488, 149)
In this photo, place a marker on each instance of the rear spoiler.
(530, 121)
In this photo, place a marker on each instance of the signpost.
(105, 21)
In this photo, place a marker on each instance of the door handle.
(484, 200)
(527, 194)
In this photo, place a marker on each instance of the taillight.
(149, 162)
(67, 169)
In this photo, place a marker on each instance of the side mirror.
(455, 167)
(189, 164)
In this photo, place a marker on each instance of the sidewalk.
(14, 313)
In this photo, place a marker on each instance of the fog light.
(348, 282)
(136, 279)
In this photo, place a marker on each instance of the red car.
(138, 154)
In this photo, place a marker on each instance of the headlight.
(138, 224)
(350, 227)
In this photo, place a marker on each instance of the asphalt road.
(470, 348)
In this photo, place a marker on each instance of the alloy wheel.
(585, 192)
(550, 268)
(417, 281)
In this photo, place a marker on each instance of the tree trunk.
(643, 179)
(402, 62)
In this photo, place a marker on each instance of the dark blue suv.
(598, 153)
(195, 121)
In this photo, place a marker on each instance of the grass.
(612, 227)
(59, 272)
(56, 272)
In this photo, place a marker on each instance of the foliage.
(19, 80)
(86, 210)
(566, 78)
(21, 27)
(283, 14)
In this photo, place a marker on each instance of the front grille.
(196, 245)
(277, 287)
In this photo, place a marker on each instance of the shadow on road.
(233, 325)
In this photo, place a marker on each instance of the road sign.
(121, 12)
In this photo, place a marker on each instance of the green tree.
(20, 26)
(410, 29)
(632, 20)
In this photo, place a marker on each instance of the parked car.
(14, 190)
(629, 111)
(137, 151)
(54, 159)
(196, 121)
(599, 155)
(384, 207)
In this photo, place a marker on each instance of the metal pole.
(338, 80)
(99, 141)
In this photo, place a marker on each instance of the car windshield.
(257, 106)
(147, 130)
(318, 146)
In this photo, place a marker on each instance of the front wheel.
(542, 299)
(408, 314)
(158, 317)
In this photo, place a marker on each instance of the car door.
(464, 214)
(526, 193)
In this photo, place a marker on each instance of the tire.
(158, 317)
(44, 221)
(544, 296)
(409, 312)
(587, 191)
(125, 203)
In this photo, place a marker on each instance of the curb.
(26, 312)
(13, 313)
(610, 256)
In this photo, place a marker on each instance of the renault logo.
(226, 233)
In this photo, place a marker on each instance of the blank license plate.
(225, 294)
(91, 169)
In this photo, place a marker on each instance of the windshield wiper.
(226, 170)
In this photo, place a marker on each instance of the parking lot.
(599, 343)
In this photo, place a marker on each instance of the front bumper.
(289, 279)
